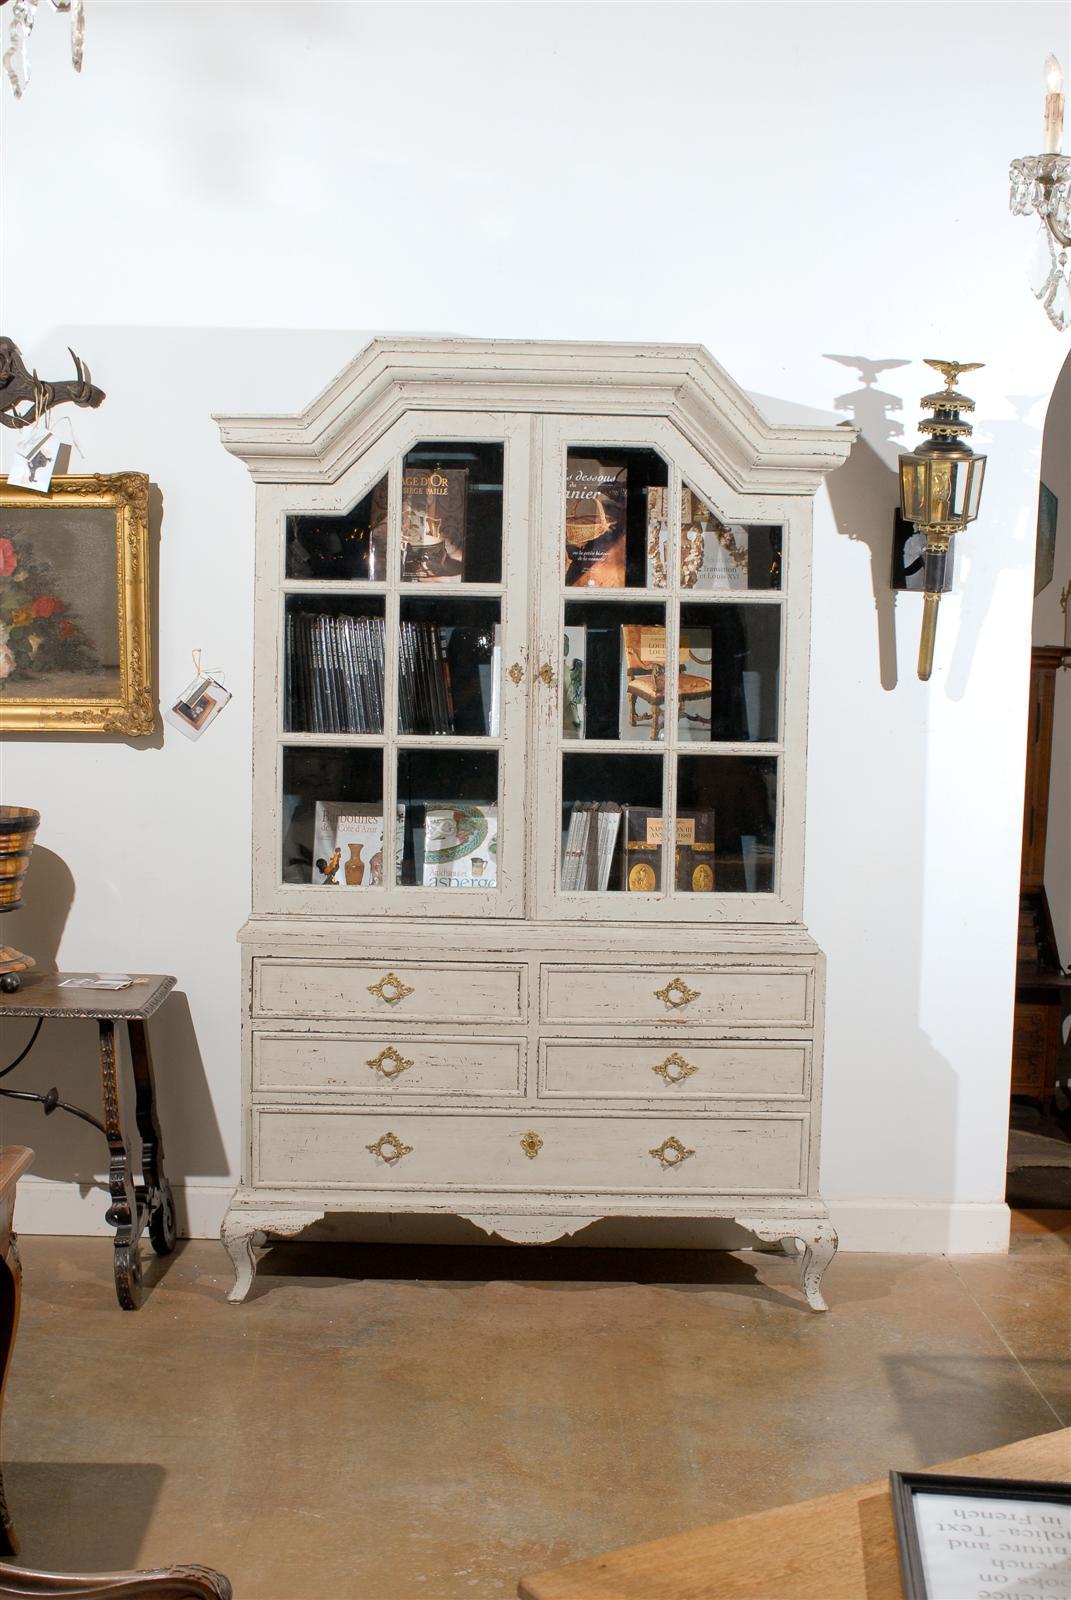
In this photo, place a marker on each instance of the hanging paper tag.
(199, 704)
(35, 460)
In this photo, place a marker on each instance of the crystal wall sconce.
(940, 489)
(1042, 185)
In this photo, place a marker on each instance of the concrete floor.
(385, 1423)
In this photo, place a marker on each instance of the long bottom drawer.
(446, 1150)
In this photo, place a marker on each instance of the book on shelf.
(589, 845)
(574, 660)
(460, 845)
(448, 678)
(657, 535)
(434, 514)
(347, 843)
(713, 554)
(596, 522)
(334, 673)
(693, 859)
(693, 854)
(643, 681)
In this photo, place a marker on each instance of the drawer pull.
(676, 994)
(671, 1152)
(531, 1144)
(674, 1068)
(391, 982)
(390, 1149)
(398, 1062)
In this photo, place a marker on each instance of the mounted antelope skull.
(19, 387)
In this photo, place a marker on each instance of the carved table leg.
(123, 1211)
(157, 1196)
(819, 1248)
(243, 1232)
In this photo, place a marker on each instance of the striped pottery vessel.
(18, 825)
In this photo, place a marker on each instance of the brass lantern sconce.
(940, 489)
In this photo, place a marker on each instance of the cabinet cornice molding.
(682, 383)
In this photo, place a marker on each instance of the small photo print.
(199, 704)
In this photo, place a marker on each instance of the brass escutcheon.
(671, 1152)
(677, 994)
(515, 673)
(531, 1144)
(674, 1068)
(546, 674)
(389, 1149)
(391, 981)
(399, 1063)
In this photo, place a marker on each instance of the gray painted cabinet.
(532, 636)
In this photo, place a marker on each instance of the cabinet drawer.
(690, 1071)
(395, 1066)
(697, 996)
(662, 1154)
(418, 992)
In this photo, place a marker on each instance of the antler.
(20, 387)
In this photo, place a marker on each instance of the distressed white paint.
(324, 1145)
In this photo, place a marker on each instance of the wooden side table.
(134, 1206)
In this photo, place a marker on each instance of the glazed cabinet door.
(670, 683)
(392, 684)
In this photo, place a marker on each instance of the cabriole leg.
(244, 1232)
(819, 1248)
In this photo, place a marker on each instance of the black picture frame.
(904, 1486)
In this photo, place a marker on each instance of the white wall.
(758, 178)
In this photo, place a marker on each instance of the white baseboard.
(929, 1228)
(892, 1227)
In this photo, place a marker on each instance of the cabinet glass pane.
(719, 555)
(613, 499)
(334, 664)
(732, 800)
(448, 800)
(736, 648)
(352, 546)
(613, 670)
(611, 823)
(333, 817)
(452, 513)
(449, 665)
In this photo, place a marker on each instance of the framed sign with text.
(982, 1538)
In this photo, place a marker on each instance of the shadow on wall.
(874, 856)
(865, 491)
(65, 1057)
(1009, 516)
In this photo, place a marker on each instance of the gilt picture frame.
(75, 623)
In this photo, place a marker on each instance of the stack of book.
(693, 855)
(334, 678)
(425, 697)
(448, 679)
(588, 850)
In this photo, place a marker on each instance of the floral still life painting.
(75, 644)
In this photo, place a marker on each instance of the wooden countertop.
(840, 1547)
